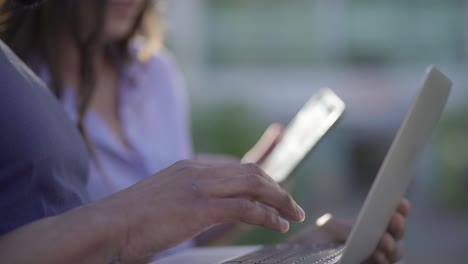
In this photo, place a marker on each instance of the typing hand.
(189, 197)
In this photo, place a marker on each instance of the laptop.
(382, 200)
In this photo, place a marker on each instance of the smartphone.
(310, 124)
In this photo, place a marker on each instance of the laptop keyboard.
(292, 254)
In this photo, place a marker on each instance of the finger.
(387, 244)
(236, 170)
(256, 188)
(252, 168)
(247, 211)
(404, 207)
(265, 144)
(395, 255)
(287, 184)
(397, 226)
(380, 258)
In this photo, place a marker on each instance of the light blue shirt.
(154, 115)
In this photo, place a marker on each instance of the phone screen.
(310, 124)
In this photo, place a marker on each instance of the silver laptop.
(387, 190)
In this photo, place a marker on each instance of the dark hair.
(29, 3)
(34, 32)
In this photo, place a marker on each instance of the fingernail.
(301, 213)
(284, 225)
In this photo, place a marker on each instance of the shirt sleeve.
(43, 161)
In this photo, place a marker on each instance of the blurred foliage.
(453, 180)
(228, 129)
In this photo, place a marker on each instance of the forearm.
(82, 235)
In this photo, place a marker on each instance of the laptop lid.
(395, 173)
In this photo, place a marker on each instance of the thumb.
(265, 144)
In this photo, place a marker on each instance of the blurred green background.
(248, 63)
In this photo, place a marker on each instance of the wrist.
(96, 230)
(112, 226)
